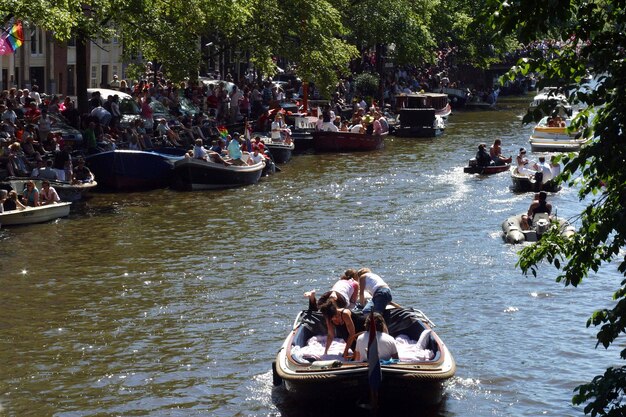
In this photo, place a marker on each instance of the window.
(36, 42)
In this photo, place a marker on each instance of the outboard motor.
(541, 222)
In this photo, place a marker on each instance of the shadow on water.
(290, 406)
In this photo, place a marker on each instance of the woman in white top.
(374, 284)
(524, 163)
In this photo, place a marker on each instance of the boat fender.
(276, 379)
(326, 364)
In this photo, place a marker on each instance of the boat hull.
(31, 215)
(125, 170)
(346, 142)
(485, 170)
(195, 174)
(281, 152)
(420, 382)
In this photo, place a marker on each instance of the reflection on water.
(174, 304)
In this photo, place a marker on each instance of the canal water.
(166, 303)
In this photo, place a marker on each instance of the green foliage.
(366, 84)
(592, 39)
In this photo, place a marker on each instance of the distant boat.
(302, 132)
(419, 123)
(192, 174)
(31, 215)
(126, 170)
(324, 141)
(554, 99)
(525, 183)
(547, 138)
(437, 101)
(473, 168)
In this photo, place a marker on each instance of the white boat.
(32, 215)
(513, 233)
(555, 99)
(418, 377)
(556, 139)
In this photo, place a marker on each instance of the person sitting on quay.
(48, 195)
(538, 205)
(495, 152)
(163, 130)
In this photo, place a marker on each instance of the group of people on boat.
(348, 304)
(540, 170)
(493, 157)
(371, 122)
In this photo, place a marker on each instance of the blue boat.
(126, 170)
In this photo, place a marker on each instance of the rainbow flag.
(223, 132)
(12, 38)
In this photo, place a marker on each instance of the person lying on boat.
(539, 205)
(375, 285)
(199, 152)
(48, 195)
(81, 173)
(495, 152)
(344, 292)
(341, 320)
(482, 157)
(387, 348)
(12, 202)
(524, 164)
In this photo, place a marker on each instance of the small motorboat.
(424, 364)
(473, 168)
(525, 183)
(31, 215)
(191, 174)
(326, 141)
(67, 191)
(547, 138)
(126, 170)
(281, 151)
(302, 132)
(513, 232)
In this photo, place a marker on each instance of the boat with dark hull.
(418, 376)
(473, 168)
(419, 123)
(437, 101)
(302, 133)
(324, 141)
(192, 174)
(126, 170)
(524, 183)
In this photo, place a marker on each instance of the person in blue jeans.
(375, 285)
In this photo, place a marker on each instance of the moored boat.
(473, 168)
(546, 138)
(126, 170)
(418, 377)
(419, 123)
(437, 101)
(67, 191)
(280, 150)
(302, 132)
(525, 183)
(31, 215)
(513, 232)
(553, 99)
(192, 174)
(324, 141)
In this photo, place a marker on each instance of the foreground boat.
(126, 170)
(524, 183)
(555, 139)
(67, 191)
(418, 377)
(31, 215)
(513, 233)
(346, 141)
(473, 168)
(193, 174)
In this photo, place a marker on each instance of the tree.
(588, 36)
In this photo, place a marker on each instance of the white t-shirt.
(386, 346)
